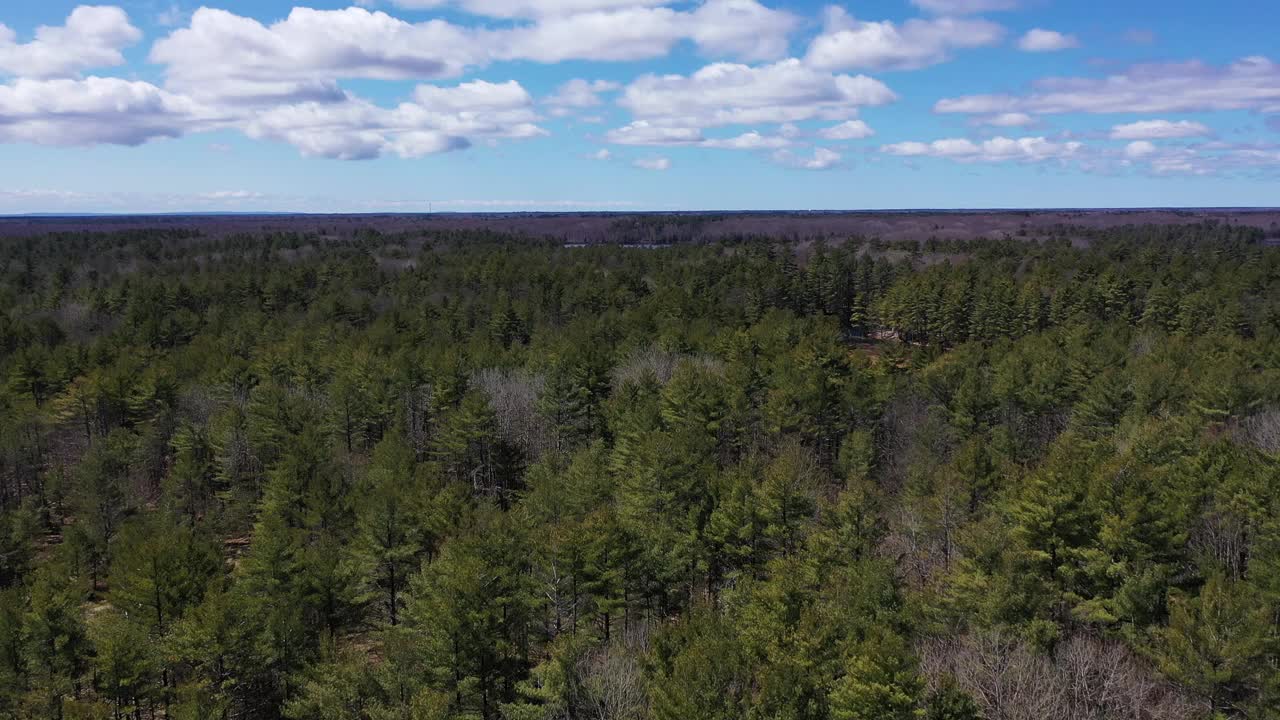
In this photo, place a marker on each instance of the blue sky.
(522, 105)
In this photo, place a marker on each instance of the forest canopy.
(472, 474)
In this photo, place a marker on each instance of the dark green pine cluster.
(425, 476)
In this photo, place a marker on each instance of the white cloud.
(352, 130)
(438, 120)
(628, 34)
(822, 159)
(747, 141)
(1159, 129)
(579, 93)
(473, 97)
(171, 16)
(1012, 119)
(847, 43)
(997, 149)
(744, 29)
(228, 58)
(476, 109)
(1250, 83)
(1215, 158)
(93, 110)
(656, 163)
(847, 130)
(232, 195)
(1139, 149)
(524, 8)
(602, 154)
(1040, 40)
(729, 94)
(964, 7)
(91, 37)
(642, 132)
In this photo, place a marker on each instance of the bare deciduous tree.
(514, 398)
(1085, 679)
(613, 686)
(1262, 431)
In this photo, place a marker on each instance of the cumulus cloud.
(93, 110)
(225, 57)
(847, 130)
(1159, 129)
(474, 97)
(997, 149)
(744, 29)
(1261, 160)
(1039, 40)
(353, 130)
(602, 154)
(91, 37)
(579, 93)
(281, 80)
(655, 163)
(848, 43)
(642, 132)
(1252, 83)
(522, 8)
(747, 141)
(439, 119)
(729, 94)
(1139, 149)
(1011, 119)
(822, 159)
(645, 134)
(964, 7)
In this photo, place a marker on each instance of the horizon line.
(811, 211)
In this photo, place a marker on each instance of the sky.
(627, 105)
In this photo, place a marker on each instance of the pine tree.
(56, 647)
(190, 485)
(787, 497)
(1103, 404)
(470, 610)
(466, 447)
(389, 525)
(13, 670)
(1218, 644)
(950, 702)
(159, 569)
(880, 682)
(696, 670)
(99, 496)
(126, 669)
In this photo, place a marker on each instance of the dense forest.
(467, 474)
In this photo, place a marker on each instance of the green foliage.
(1218, 643)
(340, 473)
(159, 569)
